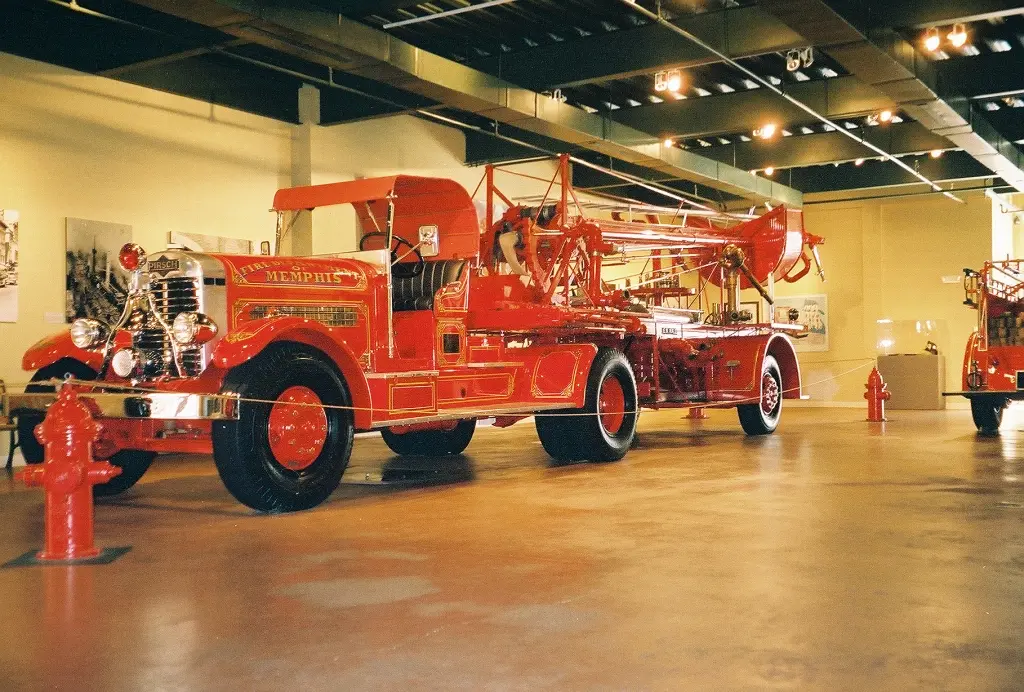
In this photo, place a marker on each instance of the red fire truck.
(271, 363)
(993, 373)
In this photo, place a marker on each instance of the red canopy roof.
(367, 190)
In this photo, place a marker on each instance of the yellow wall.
(886, 260)
(88, 147)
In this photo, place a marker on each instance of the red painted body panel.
(994, 354)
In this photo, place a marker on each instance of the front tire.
(288, 450)
(604, 429)
(133, 463)
(431, 443)
(762, 417)
(987, 412)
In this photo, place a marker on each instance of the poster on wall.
(197, 242)
(8, 265)
(813, 311)
(95, 284)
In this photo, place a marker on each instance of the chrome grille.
(331, 316)
(171, 296)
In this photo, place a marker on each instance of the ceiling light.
(677, 96)
(668, 142)
(744, 138)
(999, 45)
(932, 40)
(958, 36)
(991, 106)
(775, 81)
(885, 116)
(770, 171)
(936, 153)
(766, 131)
(674, 82)
(786, 133)
(702, 92)
(858, 162)
(804, 130)
(723, 141)
(801, 77)
(828, 72)
(654, 99)
(725, 88)
(751, 84)
(896, 120)
(792, 60)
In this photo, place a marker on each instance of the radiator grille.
(331, 316)
(171, 296)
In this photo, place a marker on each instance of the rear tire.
(987, 412)
(133, 463)
(288, 455)
(431, 443)
(762, 417)
(604, 429)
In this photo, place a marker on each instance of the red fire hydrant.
(876, 396)
(67, 475)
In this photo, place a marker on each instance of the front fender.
(49, 350)
(248, 341)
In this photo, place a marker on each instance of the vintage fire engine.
(271, 363)
(993, 372)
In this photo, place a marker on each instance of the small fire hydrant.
(876, 395)
(67, 475)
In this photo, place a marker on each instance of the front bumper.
(152, 406)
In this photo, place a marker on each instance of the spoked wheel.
(431, 443)
(604, 428)
(289, 448)
(762, 418)
(987, 412)
(132, 462)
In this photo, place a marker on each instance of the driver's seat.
(417, 292)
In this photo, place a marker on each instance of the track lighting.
(958, 36)
(932, 40)
(668, 80)
(766, 131)
(770, 171)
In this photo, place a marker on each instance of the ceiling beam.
(739, 32)
(954, 165)
(982, 77)
(825, 147)
(170, 58)
(323, 37)
(743, 111)
(921, 14)
(894, 67)
(363, 8)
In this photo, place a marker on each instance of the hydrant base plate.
(31, 559)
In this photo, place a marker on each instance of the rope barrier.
(468, 414)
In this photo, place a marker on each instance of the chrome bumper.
(155, 406)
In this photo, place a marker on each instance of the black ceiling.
(598, 55)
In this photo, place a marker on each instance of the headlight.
(87, 333)
(192, 328)
(123, 362)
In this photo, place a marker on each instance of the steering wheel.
(402, 270)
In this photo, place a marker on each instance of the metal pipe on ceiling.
(446, 13)
(656, 17)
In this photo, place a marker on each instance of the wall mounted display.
(95, 283)
(813, 311)
(8, 265)
(198, 242)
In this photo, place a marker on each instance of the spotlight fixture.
(668, 80)
(958, 36)
(797, 58)
(932, 40)
(858, 162)
(668, 142)
(770, 171)
(766, 131)
(885, 116)
(936, 153)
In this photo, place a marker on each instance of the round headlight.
(184, 327)
(131, 257)
(123, 362)
(86, 333)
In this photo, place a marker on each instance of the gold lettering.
(271, 276)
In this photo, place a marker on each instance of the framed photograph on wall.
(9, 265)
(813, 312)
(95, 284)
(198, 242)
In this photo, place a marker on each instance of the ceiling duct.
(886, 61)
(317, 35)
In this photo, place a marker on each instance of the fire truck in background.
(993, 372)
(271, 363)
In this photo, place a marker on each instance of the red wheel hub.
(769, 394)
(297, 428)
(611, 404)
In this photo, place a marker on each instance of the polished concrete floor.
(835, 555)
